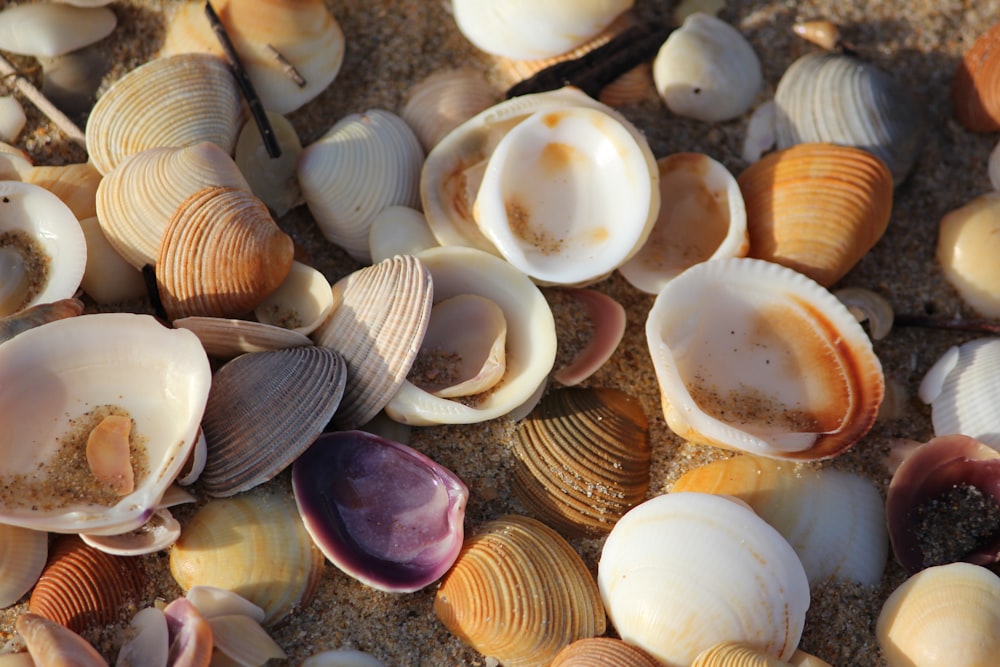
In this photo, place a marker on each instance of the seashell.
(169, 101)
(58, 381)
(50, 643)
(824, 34)
(444, 100)
(243, 640)
(701, 217)
(51, 29)
(23, 553)
(848, 544)
(264, 410)
(148, 641)
(760, 136)
(35, 316)
(211, 601)
(277, 40)
(139, 196)
(531, 340)
(42, 248)
(221, 255)
(227, 338)
(735, 654)
(84, 588)
(961, 388)
(707, 70)
(868, 306)
(732, 377)
(14, 162)
(301, 303)
(944, 615)
(682, 572)
(399, 230)
(382, 512)
(71, 81)
(520, 593)
(157, 534)
(75, 184)
(532, 31)
(12, 117)
(551, 185)
(273, 180)
(968, 240)
(107, 277)
(379, 319)
(582, 459)
(601, 651)
(190, 635)
(816, 208)
(607, 321)
(253, 544)
(342, 658)
(973, 86)
(363, 164)
(842, 99)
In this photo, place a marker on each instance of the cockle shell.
(754, 356)
(602, 651)
(172, 101)
(301, 302)
(684, 571)
(520, 593)
(735, 654)
(227, 338)
(973, 88)
(444, 100)
(967, 247)
(51, 29)
(962, 389)
(816, 207)
(23, 553)
(50, 643)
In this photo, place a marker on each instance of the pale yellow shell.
(75, 184)
(967, 251)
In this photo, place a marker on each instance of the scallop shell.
(519, 593)
(171, 101)
(23, 553)
(363, 164)
(221, 255)
(967, 247)
(817, 208)
(754, 356)
(274, 180)
(684, 571)
(264, 410)
(602, 651)
(301, 303)
(444, 100)
(973, 88)
(962, 390)
(582, 459)
(51, 29)
(944, 615)
(253, 544)
(50, 643)
(227, 338)
(842, 99)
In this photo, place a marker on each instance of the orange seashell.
(601, 651)
(974, 88)
(816, 207)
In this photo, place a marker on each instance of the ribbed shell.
(601, 652)
(583, 459)
(841, 99)
(378, 325)
(962, 388)
(438, 104)
(75, 184)
(84, 588)
(735, 654)
(974, 88)
(170, 101)
(225, 338)
(23, 553)
(264, 409)
(816, 207)
(520, 593)
(221, 255)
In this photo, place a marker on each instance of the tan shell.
(379, 319)
(301, 303)
(735, 654)
(582, 459)
(603, 651)
(967, 247)
(225, 338)
(75, 184)
(438, 104)
(975, 88)
(170, 101)
(221, 255)
(271, 561)
(107, 278)
(520, 593)
(816, 207)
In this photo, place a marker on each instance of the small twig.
(153, 291)
(289, 68)
(955, 324)
(61, 120)
(243, 80)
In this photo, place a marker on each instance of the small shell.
(228, 338)
(301, 303)
(157, 534)
(968, 243)
(974, 95)
(50, 643)
(603, 651)
(520, 593)
(107, 278)
(868, 306)
(399, 230)
(51, 29)
(816, 208)
(438, 104)
(607, 321)
(12, 118)
(962, 389)
(23, 553)
(274, 180)
(822, 33)
(190, 634)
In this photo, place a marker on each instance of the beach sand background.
(390, 46)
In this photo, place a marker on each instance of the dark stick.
(153, 291)
(955, 324)
(289, 68)
(243, 80)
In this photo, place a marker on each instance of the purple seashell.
(380, 511)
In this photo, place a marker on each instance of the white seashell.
(967, 246)
(157, 534)
(12, 118)
(707, 70)
(761, 135)
(23, 553)
(301, 303)
(867, 306)
(212, 601)
(52, 29)
(399, 230)
(75, 184)
(149, 641)
(363, 164)
(682, 572)
(438, 104)
(243, 640)
(14, 163)
(107, 278)
(962, 389)
(342, 658)
(551, 188)
(273, 180)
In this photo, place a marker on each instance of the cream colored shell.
(967, 250)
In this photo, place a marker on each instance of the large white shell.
(51, 29)
(685, 571)
(963, 388)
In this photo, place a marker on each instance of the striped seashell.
(602, 651)
(225, 338)
(438, 104)
(962, 389)
(75, 184)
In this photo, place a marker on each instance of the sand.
(391, 45)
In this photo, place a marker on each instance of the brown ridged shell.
(520, 593)
(975, 88)
(84, 588)
(601, 652)
(583, 459)
(816, 207)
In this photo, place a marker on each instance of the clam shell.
(380, 317)
(967, 247)
(107, 278)
(253, 544)
(582, 459)
(171, 101)
(301, 303)
(399, 230)
(682, 572)
(601, 651)
(962, 389)
(520, 593)
(23, 553)
(227, 338)
(773, 365)
(274, 180)
(444, 100)
(842, 99)
(973, 88)
(51, 29)
(50, 643)
(264, 410)
(816, 207)
(221, 255)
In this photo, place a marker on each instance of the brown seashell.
(221, 255)
(816, 207)
(84, 588)
(583, 459)
(520, 593)
(602, 651)
(974, 88)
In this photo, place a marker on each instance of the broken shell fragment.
(967, 247)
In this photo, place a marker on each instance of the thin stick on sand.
(69, 128)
